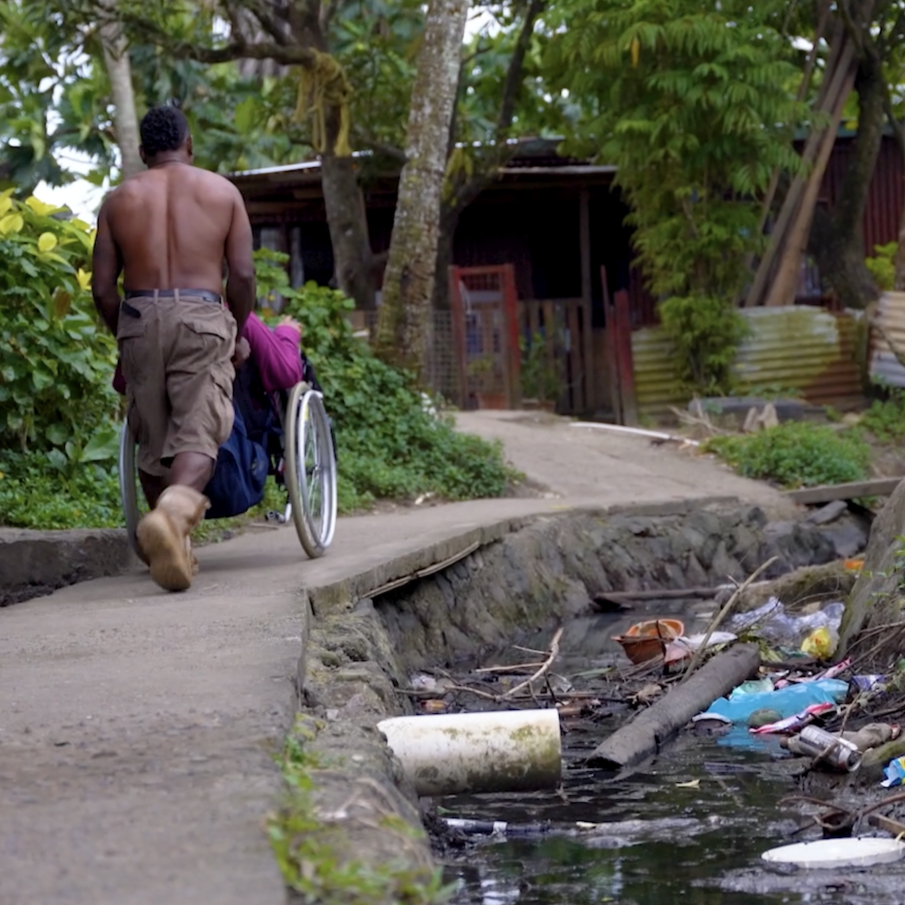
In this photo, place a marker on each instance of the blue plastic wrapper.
(787, 701)
(895, 773)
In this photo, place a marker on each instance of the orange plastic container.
(647, 640)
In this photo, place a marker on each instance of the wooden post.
(624, 357)
(512, 364)
(610, 348)
(458, 329)
(584, 241)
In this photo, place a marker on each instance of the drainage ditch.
(363, 656)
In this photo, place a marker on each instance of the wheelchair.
(302, 462)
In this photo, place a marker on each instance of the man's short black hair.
(163, 128)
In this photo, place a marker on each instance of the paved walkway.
(137, 728)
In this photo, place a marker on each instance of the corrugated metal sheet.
(802, 348)
(884, 366)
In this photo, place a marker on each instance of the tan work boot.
(164, 536)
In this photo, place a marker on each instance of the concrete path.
(137, 728)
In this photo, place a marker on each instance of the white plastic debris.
(831, 853)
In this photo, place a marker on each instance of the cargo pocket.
(209, 338)
(129, 327)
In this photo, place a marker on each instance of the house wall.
(887, 191)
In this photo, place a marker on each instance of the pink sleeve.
(276, 353)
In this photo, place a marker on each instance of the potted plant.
(542, 382)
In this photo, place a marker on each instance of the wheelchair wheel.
(129, 492)
(310, 472)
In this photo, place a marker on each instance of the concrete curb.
(34, 563)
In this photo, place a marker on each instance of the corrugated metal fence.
(801, 349)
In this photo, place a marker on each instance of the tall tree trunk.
(404, 329)
(348, 224)
(119, 71)
(898, 131)
(837, 239)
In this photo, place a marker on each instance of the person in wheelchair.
(269, 363)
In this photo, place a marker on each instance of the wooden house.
(531, 252)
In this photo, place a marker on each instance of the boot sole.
(166, 554)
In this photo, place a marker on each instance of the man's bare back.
(171, 226)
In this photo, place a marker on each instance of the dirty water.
(690, 825)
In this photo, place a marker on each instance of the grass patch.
(316, 856)
(885, 419)
(796, 454)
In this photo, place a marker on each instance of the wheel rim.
(312, 474)
(128, 488)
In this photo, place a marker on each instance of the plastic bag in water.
(772, 623)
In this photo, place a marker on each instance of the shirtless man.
(168, 231)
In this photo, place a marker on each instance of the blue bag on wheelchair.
(240, 473)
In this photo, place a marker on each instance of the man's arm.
(240, 286)
(106, 269)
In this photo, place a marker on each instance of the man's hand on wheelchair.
(242, 353)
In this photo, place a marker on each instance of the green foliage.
(694, 108)
(882, 266)
(391, 443)
(316, 857)
(35, 494)
(795, 454)
(541, 376)
(55, 360)
(885, 418)
(706, 333)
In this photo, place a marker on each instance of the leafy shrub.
(390, 442)
(706, 333)
(885, 418)
(34, 494)
(55, 359)
(795, 454)
(882, 266)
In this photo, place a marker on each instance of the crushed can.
(842, 754)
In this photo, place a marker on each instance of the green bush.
(55, 359)
(706, 333)
(34, 494)
(882, 266)
(885, 418)
(391, 441)
(795, 454)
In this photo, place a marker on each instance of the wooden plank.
(512, 362)
(624, 361)
(895, 827)
(587, 357)
(584, 240)
(826, 493)
(609, 347)
(458, 325)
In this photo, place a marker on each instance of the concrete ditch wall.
(362, 649)
(34, 563)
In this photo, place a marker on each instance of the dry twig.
(545, 666)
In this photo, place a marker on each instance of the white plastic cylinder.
(501, 751)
